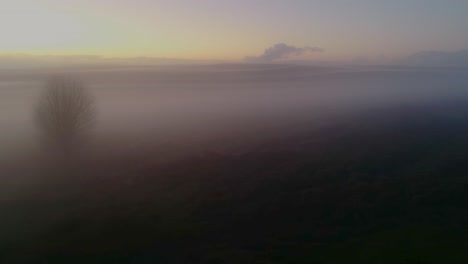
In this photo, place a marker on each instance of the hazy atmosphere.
(233, 131)
(365, 30)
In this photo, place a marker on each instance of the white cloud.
(281, 51)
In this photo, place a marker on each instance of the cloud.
(438, 58)
(281, 51)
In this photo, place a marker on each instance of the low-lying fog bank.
(175, 103)
(201, 158)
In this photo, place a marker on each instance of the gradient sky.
(231, 30)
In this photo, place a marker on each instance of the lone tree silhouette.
(65, 112)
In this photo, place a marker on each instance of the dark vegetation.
(386, 186)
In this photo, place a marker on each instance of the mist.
(223, 100)
(171, 145)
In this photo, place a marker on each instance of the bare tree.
(65, 112)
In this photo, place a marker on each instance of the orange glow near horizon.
(222, 29)
(53, 28)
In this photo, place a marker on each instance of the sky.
(233, 30)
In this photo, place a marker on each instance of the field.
(363, 176)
